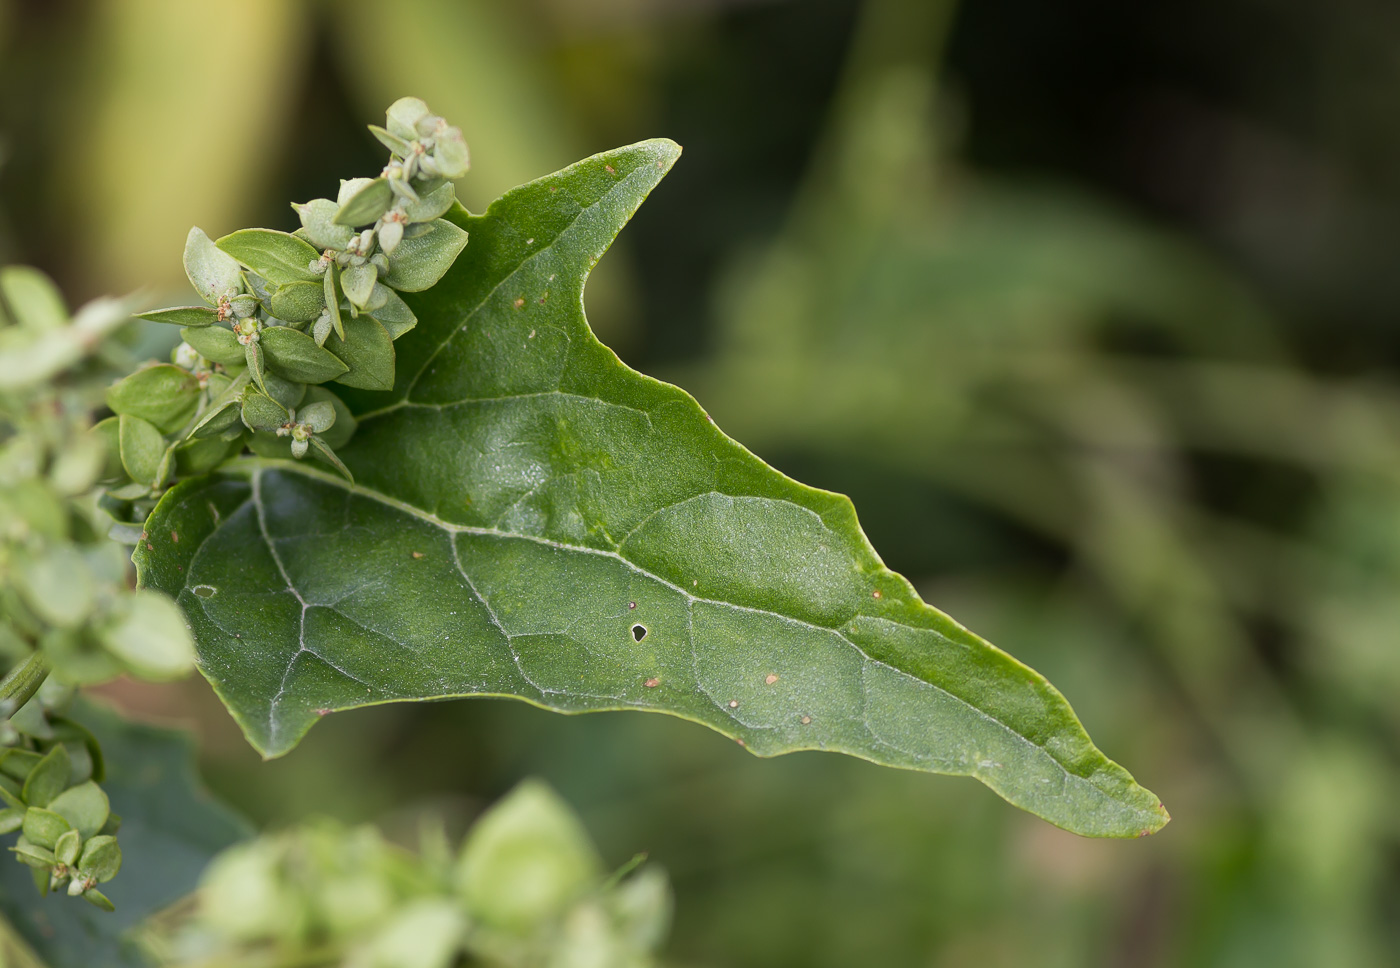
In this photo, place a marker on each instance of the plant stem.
(24, 680)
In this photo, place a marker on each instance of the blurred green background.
(1092, 308)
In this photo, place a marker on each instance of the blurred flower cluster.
(526, 889)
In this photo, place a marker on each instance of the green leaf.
(32, 298)
(393, 142)
(403, 116)
(394, 313)
(289, 393)
(33, 855)
(192, 316)
(366, 205)
(421, 260)
(57, 585)
(526, 860)
(296, 356)
(224, 409)
(212, 273)
(142, 448)
(531, 518)
(329, 283)
(203, 455)
(220, 417)
(276, 256)
(108, 432)
(256, 362)
(318, 224)
(261, 412)
(368, 351)
(324, 451)
(170, 829)
(433, 204)
(319, 416)
(48, 779)
(44, 827)
(66, 849)
(148, 633)
(101, 858)
(84, 806)
(358, 282)
(298, 302)
(164, 395)
(215, 343)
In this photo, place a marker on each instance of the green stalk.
(24, 680)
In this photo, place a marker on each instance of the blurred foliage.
(171, 828)
(1105, 357)
(526, 890)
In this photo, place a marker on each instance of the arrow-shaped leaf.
(533, 519)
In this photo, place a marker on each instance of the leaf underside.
(533, 519)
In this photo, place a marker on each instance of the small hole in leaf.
(639, 632)
(205, 591)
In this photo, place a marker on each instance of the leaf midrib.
(253, 468)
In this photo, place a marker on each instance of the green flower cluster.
(526, 889)
(66, 605)
(49, 783)
(287, 313)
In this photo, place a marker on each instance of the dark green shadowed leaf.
(531, 518)
(276, 256)
(170, 829)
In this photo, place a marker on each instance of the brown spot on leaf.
(806, 720)
(631, 604)
(733, 704)
(150, 547)
(652, 683)
(876, 594)
(610, 169)
(771, 679)
(175, 536)
(418, 554)
(520, 301)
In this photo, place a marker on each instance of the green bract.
(531, 518)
